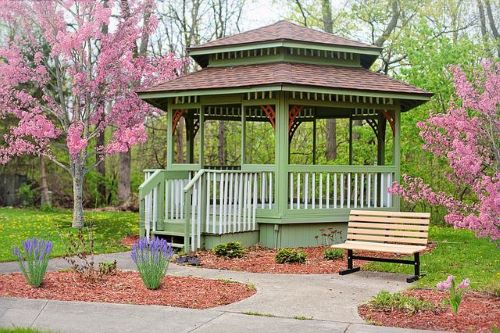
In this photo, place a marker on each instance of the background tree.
(84, 68)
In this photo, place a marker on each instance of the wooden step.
(169, 233)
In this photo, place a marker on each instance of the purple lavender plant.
(152, 258)
(33, 259)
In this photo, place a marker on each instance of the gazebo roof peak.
(284, 31)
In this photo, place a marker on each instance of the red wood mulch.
(262, 260)
(127, 287)
(477, 313)
(130, 240)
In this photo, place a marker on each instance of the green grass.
(18, 224)
(21, 330)
(386, 301)
(459, 253)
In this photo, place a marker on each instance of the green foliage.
(290, 256)
(457, 252)
(26, 195)
(229, 250)
(332, 254)
(386, 301)
(109, 229)
(107, 268)
(22, 330)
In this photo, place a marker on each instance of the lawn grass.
(21, 330)
(18, 224)
(459, 253)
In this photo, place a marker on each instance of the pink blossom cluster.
(96, 70)
(448, 284)
(466, 136)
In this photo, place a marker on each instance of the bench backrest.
(388, 227)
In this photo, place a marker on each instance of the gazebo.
(280, 77)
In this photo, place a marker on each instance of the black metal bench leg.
(349, 269)
(416, 264)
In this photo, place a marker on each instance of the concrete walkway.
(328, 301)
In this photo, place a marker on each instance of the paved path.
(329, 300)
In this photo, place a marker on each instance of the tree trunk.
(331, 124)
(101, 170)
(221, 143)
(77, 173)
(45, 200)
(179, 141)
(124, 178)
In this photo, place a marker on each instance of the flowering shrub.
(152, 258)
(466, 136)
(33, 258)
(456, 292)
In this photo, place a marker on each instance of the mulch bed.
(262, 260)
(127, 287)
(130, 240)
(477, 313)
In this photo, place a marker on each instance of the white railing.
(148, 196)
(226, 201)
(339, 189)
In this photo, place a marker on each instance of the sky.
(258, 13)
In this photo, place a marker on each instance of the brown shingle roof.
(283, 30)
(332, 77)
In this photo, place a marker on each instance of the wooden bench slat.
(380, 247)
(376, 219)
(389, 226)
(401, 240)
(389, 214)
(416, 234)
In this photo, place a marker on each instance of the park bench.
(389, 232)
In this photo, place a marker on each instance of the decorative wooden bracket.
(390, 118)
(177, 116)
(270, 114)
(293, 113)
(373, 125)
(293, 121)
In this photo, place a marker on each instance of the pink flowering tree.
(68, 73)
(466, 136)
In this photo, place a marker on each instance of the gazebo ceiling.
(279, 75)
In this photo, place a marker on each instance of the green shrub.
(386, 301)
(332, 254)
(290, 256)
(229, 250)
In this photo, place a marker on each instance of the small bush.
(229, 250)
(152, 259)
(33, 259)
(107, 268)
(332, 254)
(290, 256)
(386, 301)
(80, 253)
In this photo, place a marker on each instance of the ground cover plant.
(290, 256)
(428, 309)
(332, 254)
(128, 288)
(110, 227)
(229, 250)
